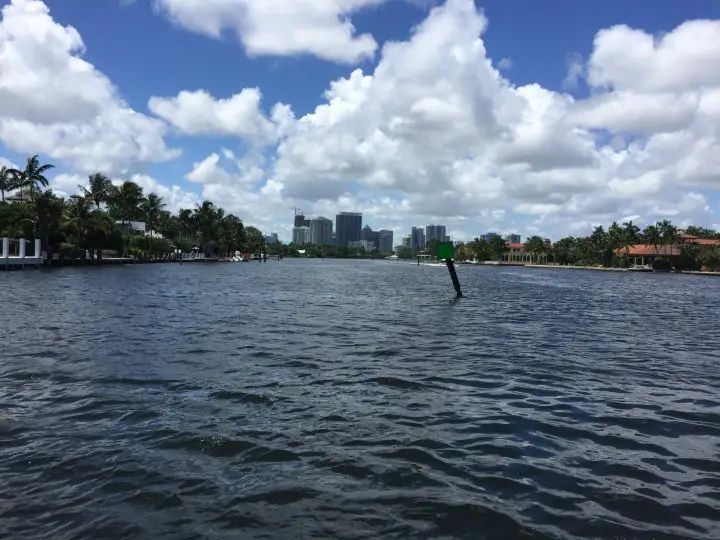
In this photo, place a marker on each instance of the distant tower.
(300, 220)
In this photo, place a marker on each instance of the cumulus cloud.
(198, 113)
(173, 196)
(436, 124)
(434, 131)
(684, 59)
(277, 27)
(54, 102)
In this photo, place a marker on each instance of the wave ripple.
(284, 400)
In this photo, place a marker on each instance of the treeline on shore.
(98, 219)
(609, 248)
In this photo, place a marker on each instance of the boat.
(640, 268)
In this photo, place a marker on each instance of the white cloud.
(173, 196)
(4, 162)
(437, 126)
(55, 103)
(65, 184)
(681, 60)
(434, 132)
(575, 70)
(198, 113)
(278, 27)
(630, 112)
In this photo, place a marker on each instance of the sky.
(509, 116)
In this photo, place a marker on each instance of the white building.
(364, 244)
(321, 231)
(300, 236)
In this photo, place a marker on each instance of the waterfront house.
(518, 253)
(137, 227)
(647, 253)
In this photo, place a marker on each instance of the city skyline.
(323, 231)
(418, 236)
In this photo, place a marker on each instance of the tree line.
(98, 218)
(609, 247)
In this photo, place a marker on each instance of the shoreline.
(16, 263)
(604, 269)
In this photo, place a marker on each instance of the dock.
(17, 254)
(22, 258)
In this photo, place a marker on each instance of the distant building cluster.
(420, 237)
(348, 231)
(272, 238)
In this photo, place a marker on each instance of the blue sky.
(143, 54)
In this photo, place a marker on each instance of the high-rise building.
(321, 229)
(385, 241)
(368, 235)
(300, 220)
(547, 242)
(406, 242)
(348, 227)
(435, 232)
(417, 238)
(301, 236)
(513, 239)
(489, 236)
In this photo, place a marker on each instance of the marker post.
(445, 251)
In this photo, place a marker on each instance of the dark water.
(305, 399)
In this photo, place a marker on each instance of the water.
(309, 399)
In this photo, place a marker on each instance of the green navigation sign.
(444, 251)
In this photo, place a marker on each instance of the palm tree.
(77, 215)
(668, 234)
(49, 212)
(481, 249)
(151, 207)
(206, 218)
(536, 246)
(499, 247)
(7, 181)
(652, 236)
(614, 241)
(126, 200)
(600, 240)
(32, 176)
(255, 240)
(99, 189)
(563, 250)
(186, 221)
(630, 235)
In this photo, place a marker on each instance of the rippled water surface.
(309, 399)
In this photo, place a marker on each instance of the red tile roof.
(644, 250)
(706, 242)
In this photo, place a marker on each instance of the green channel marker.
(446, 251)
